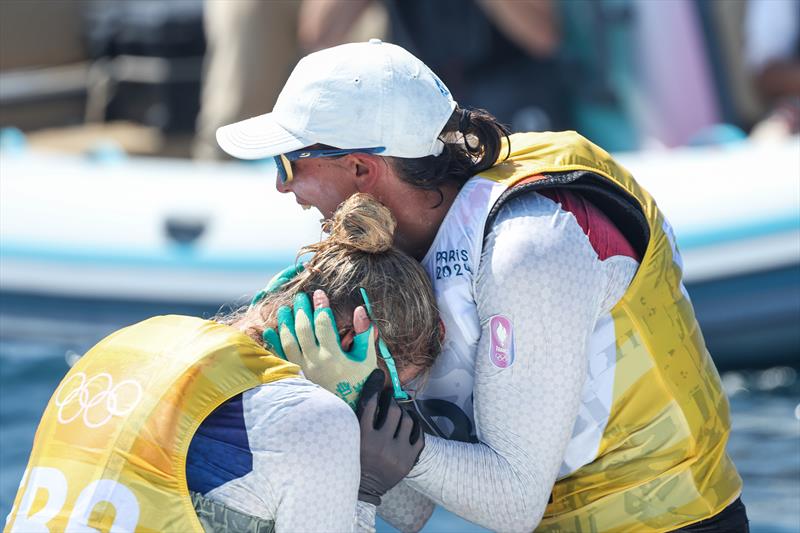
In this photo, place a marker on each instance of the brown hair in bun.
(361, 223)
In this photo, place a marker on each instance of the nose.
(282, 187)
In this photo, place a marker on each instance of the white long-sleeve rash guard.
(539, 269)
(286, 451)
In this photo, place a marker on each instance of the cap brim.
(257, 138)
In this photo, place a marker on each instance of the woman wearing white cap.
(574, 391)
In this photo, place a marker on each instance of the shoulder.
(533, 226)
(296, 406)
(536, 252)
(304, 445)
(530, 203)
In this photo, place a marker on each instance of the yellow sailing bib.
(661, 463)
(110, 450)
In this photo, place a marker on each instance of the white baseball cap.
(358, 95)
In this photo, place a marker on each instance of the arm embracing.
(540, 275)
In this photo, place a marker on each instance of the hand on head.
(310, 340)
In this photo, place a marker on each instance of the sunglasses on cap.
(405, 398)
(283, 162)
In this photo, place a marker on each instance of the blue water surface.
(765, 441)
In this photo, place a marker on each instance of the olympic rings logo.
(97, 399)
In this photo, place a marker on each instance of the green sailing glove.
(278, 281)
(317, 349)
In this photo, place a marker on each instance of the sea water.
(764, 442)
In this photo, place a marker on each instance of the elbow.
(514, 508)
(418, 524)
(544, 43)
(525, 521)
(547, 45)
(525, 511)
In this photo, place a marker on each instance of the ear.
(442, 330)
(369, 170)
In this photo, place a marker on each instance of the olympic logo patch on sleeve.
(501, 344)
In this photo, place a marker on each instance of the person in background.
(117, 447)
(574, 391)
(772, 51)
(250, 46)
(496, 54)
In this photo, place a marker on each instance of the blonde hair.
(359, 253)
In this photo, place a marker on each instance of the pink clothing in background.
(678, 87)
